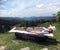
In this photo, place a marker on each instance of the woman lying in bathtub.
(37, 30)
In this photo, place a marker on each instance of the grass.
(6, 39)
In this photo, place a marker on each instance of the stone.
(2, 47)
(44, 49)
(26, 48)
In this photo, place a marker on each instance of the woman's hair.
(50, 30)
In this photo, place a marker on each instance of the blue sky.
(27, 8)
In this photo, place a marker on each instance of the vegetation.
(6, 25)
(57, 15)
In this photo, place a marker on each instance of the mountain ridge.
(29, 18)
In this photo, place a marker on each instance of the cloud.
(39, 5)
(2, 1)
(12, 12)
(29, 8)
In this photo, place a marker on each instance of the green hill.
(6, 39)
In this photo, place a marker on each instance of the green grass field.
(6, 39)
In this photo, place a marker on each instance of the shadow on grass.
(37, 39)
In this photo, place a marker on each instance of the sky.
(28, 8)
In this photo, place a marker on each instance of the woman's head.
(50, 30)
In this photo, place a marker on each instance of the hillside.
(7, 39)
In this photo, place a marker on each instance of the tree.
(57, 15)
